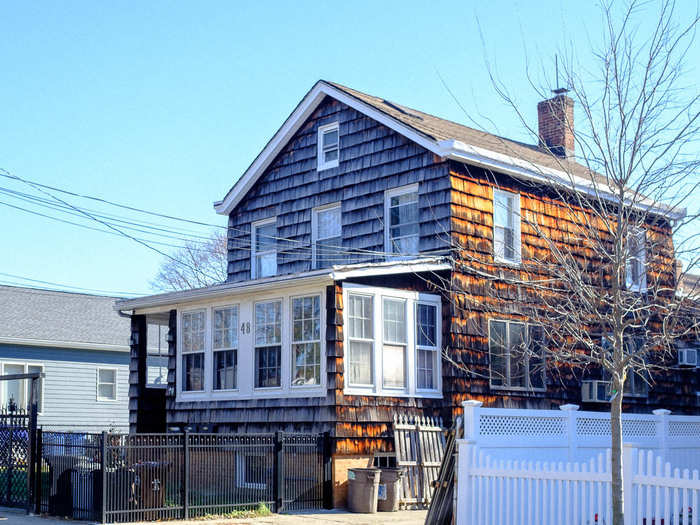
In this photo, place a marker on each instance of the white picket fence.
(527, 492)
(539, 467)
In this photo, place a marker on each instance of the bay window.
(392, 341)
(306, 340)
(268, 344)
(193, 345)
(225, 348)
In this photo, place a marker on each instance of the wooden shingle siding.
(373, 159)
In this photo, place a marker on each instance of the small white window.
(401, 229)
(264, 252)
(225, 347)
(328, 146)
(361, 339)
(193, 345)
(326, 230)
(106, 384)
(506, 226)
(636, 274)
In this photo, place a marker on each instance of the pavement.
(332, 517)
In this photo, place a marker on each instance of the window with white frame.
(506, 226)
(516, 352)
(392, 341)
(264, 249)
(106, 384)
(361, 339)
(636, 272)
(225, 348)
(268, 344)
(306, 340)
(427, 352)
(193, 348)
(326, 229)
(328, 146)
(394, 347)
(18, 390)
(402, 228)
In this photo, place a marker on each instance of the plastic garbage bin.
(389, 489)
(363, 485)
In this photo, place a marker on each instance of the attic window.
(328, 146)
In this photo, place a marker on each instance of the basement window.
(506, 227)
(328, 146)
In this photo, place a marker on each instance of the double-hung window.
(402, 228)
(225, 348)
(361, 339)
(427, 352)
(326, 229)
(306, 340)
(636, 272)
(516, 355)
(394, 347)
(506, 226)
(106, 384)
(193, 345)
(268, 344)
(328, 146)
(264, 249)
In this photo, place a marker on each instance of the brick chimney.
(555, 117)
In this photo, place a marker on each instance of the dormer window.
(328, 146)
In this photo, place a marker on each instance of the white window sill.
(506, 262)
(389, 393)
(518, 389)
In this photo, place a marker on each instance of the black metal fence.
(117, 478)
(14, 465)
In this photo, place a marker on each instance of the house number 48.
(245, 327)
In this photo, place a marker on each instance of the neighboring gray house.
(82, 346)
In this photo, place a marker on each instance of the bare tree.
(195, 265)
(602, 229)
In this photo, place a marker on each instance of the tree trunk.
(618, 515)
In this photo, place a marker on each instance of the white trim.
(450, 148)
(517, 219)
(98, 383)
(253, 240)
(388, 194)
(25, 341)
(314, 227)
(412, 298)
(321, 164)
(235, 348)
(27, 364)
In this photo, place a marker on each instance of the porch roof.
(164, 301)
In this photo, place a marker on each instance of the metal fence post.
(278, 477)
(327, 471)
(103, 474)
(185, 474)
(37, 471)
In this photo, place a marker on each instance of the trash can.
(389, 489)
(363, 485)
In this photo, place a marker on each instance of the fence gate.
(420, 444)
(14, 459)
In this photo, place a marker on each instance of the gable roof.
(442, 137)
(36, 317)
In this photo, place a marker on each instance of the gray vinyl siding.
(372, 159)
(70, 387)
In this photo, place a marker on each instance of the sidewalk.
(333, 517)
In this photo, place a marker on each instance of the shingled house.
(330, 319)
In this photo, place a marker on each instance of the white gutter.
(24, 341)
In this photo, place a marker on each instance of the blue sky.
(162, 105)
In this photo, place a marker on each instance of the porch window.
(326, 229)
(517, 355)
(106, 384)
(361, 334)
(636, 272)
(426, 345)
(401, 216)
(264, 252)
(193, 345)
(394, 354)
(328, 146)
(268, 344)
(17, 390)
(506, 226)
(225, 347)
(306, 340)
